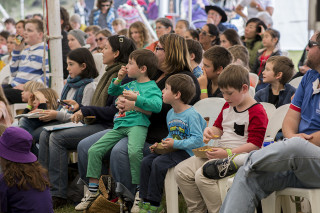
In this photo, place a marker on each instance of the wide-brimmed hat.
(15, 145)
(219, 10)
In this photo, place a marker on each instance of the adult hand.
(167, 143)
(303, 135)
(210, 21)
(303, 69)
(203, 81)
(74, 105)
(48, 115)
(130, 95)
(217, 153)
(77, 117)
(124, 105)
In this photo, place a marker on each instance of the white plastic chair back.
(295, 82)
(210, 107)
(270, 108)
(276, 120)
(254, 79)
(5, 73)
(252, 91)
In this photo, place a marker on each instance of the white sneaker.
(136, 207)
(86, 201)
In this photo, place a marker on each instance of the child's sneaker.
(137, 205)
(87, 201)
(156, 209)
(220, 168)
(145, 208)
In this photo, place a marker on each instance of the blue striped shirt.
(26, 65)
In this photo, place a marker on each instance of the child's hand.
(77, 117)
(122, 72)
(40, 97)
(49, 115)
(203, 81)
(217, 153)
(207, 134)
(167, 143)
(152, 147)
(130, 95)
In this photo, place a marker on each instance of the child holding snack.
(241, 124)
(185, 126)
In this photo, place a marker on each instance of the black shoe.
(58, 202)
(219, 169)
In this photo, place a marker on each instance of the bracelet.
(204, 91)
(118, 80)
(29, 107)
(229, 152)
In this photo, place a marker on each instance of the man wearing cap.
(24, 185)
(216, 16)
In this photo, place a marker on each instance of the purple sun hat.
(15, 145)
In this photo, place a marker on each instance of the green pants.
(136, 139)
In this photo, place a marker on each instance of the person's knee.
(179, 172)
(56, 139)
(135, 155)
(295, 145)
(198, 177)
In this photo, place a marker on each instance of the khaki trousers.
(200, 193)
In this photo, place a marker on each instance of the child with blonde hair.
(27, 94)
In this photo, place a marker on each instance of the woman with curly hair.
(139, 34)
(24, 184)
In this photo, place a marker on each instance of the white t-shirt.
(252, 11)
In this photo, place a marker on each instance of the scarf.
(100, 95)
(110, 17)
(76, 83)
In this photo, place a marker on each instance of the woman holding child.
(115, 55)
(172, 55)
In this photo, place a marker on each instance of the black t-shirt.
(273, 99)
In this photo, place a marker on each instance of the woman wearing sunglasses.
(101, 39)
(209, 36)
(104, 15)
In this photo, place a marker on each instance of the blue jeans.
(53, 154)
(291, 163)
(119, 160)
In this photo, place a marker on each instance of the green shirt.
(253, 52)
(149, 99)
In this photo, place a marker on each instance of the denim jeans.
(53, 154)
(291, 163)
(119, 160)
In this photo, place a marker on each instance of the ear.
(83, 66)
(116, 54)
(143, 69)
(279, 75)
(192, 56)
(177, 95)
(219, 70)
(245, 88)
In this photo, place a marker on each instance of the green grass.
(66, 209)
(295, 56)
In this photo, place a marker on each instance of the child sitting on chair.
(241, 125)
(185, 127)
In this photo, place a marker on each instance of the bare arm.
(290, 125)
(270, 10)
(239, 10)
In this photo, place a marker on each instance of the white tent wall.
(290, 17)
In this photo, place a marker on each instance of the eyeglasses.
(312, 44)
(100, 39)
(105, 5)
(205, 33)
(159, 48)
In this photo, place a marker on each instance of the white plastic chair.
(252, 91)
(210, 107)
(295, 82)
(270, 108)
(275, 121)
(15, 107)
(171, 190)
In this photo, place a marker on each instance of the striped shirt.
(26, 65)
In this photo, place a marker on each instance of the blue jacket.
(284, 95)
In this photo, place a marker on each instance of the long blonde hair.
(176, 53)
(5, 101)
(51, 97)
(32, 86)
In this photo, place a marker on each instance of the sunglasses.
(205, 33)
(105, 5)
(100, 39)
(159, 48)
(312, 44)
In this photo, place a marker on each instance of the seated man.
(26, 63)
(294, 162)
